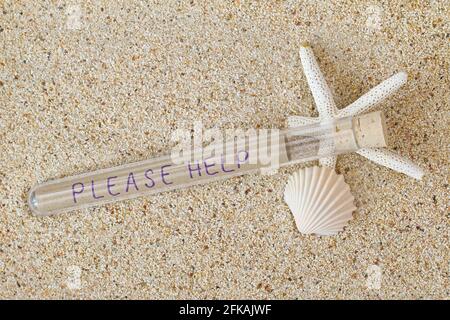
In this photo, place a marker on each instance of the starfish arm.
(297, 121)
(326, 148)
(393, 161)
(317, 84)
(329, 162)
(375, 95)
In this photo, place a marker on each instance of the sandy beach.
(85, 86)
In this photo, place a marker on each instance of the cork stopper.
(370, 130)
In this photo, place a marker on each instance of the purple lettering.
(77, 192)
(209, 166)
(198, 169)
(109, 185)
(223, 165)
(163, 174)
(131, 181)
(93, 191)
(152, 181)
(239, 161)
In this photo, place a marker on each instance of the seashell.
(320, 200)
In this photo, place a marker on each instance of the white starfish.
(327, 110)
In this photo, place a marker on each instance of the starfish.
(328, 111)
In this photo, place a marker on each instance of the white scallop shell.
(320, 200)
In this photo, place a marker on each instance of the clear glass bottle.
(262, 150)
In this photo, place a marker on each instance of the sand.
(86, 86)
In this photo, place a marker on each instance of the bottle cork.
(370, 130)
(364, 131)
